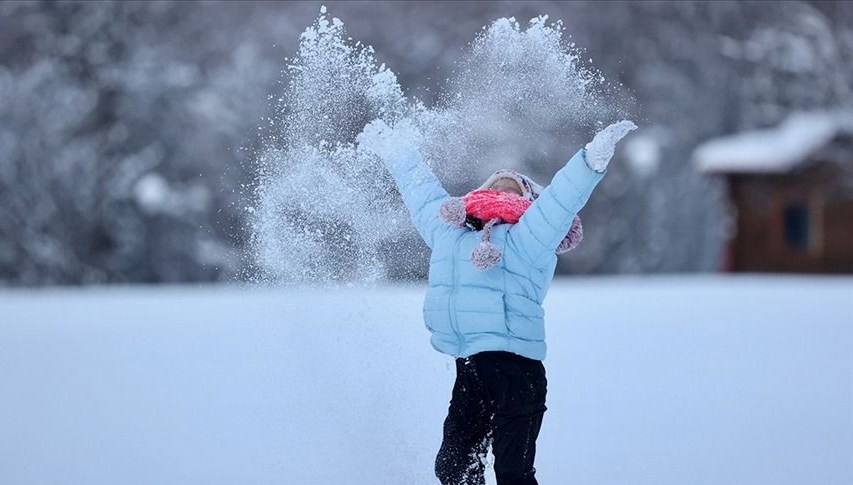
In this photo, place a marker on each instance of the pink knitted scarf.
(488, 204)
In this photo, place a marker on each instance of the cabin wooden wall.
(760, 243)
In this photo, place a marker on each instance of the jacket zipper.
(454, 325)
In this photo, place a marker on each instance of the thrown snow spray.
(324, 208)
(513, 100)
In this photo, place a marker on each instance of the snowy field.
(665, 381)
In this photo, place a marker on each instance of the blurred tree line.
(128, 129)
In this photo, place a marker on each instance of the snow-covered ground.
(707, 380)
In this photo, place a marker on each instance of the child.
(494, 253)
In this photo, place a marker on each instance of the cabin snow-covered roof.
(773, 150)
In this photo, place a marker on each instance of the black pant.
(498, 399)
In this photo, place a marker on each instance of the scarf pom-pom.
(486, 255)
(452, 211)
(573, 238)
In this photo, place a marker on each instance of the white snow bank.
(712, 381)
(773, 150)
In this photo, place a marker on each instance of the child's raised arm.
(421, 190)
(546, 222)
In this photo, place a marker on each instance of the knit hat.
(530, 190)
(483, 208)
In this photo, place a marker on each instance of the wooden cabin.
(790, 191)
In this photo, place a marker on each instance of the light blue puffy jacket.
(468, 310)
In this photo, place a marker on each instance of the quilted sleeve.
(544, 224)
(421, 190)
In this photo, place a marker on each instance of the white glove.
(600, 150)
(388, 142)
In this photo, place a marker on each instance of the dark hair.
(474, 223)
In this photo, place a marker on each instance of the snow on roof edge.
(772, 150)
